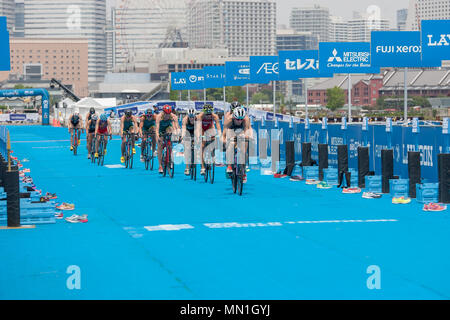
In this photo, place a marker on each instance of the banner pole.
(405, 103)
(306, 98)
(204, 95)
(189, 95)
(349, 98)
(274, 97)
(247, 95)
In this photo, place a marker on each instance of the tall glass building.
(7, 9)
(71, 19)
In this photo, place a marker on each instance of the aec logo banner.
(297, 64)
(345, 57)
(5, 58)
(435, 40)
(397, 49)
(178, 80)
(237, 73)
(263, 69)
(195, 79)
(214, 77)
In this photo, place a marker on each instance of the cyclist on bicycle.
(75, 122)
(210, 126)
(88, 137)
(128, 124)
(238, 126)
(166, 123)
(147, 128)
(90, 130)
(102, 128)
(188, 133)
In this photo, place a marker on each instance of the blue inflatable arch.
(43, 93)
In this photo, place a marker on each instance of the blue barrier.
(430, 142)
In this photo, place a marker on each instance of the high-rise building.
(7, 9)
(359, 29)
(71, 19)
(338, 29)
(244, 27)
(426, 10)
(402, 16)
(19, 24)
(288, 39)
(315, 19)
(142, 25)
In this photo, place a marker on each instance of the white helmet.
(191, 112)
(239, 113)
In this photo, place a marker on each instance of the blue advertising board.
(345, 57)
(263, 69)
(5, 58)
(401, 49)
(296, 64)
(237, 73)
(178, 80)
(194, 79)
(435, 40)
(214, 77)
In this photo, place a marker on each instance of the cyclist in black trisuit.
(188, 133)
(75, 122)
(90, 132)
(88, 136)
(238, 126)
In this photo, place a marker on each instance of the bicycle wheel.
(207, 168)
(171, 164)
(240, 179)
(212, 173)
(145, 153)
(165, 161)
(100, 152)
(234, 180)
(130, 155)
(152, 158)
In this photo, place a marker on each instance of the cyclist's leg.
(153, 137)
(124, 141)
(160, 149)
(187, 152)
(97, 142)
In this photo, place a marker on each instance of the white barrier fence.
(20, 117)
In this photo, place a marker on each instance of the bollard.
(13, 198)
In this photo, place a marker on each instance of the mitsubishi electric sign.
(237, 73)
(345, 57)
(264, 69)
(195, 79)
(296, 64)
(398, 49)
(435, 40)
(5, 59)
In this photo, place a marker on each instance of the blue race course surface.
(289, 240)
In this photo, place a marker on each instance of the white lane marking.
(229, 225)
(114, 166)
(55, 147)
(169, 227)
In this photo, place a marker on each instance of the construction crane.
(72, 95)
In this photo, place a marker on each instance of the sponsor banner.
(30, 117)
(237, 73)
(401, 49)
(345, 57)
(5, 58)
(296, 64)
(195, 79)
(435, 40)
(178, 80)
(214, 77)
(264, 69)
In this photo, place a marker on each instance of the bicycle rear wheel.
(130, 155)
(234, 180)
(100, 152)
(240, 179)
(146, 155)
(207, 168)
(171, 164)
(212, 173)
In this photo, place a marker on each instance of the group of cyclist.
(154, 125)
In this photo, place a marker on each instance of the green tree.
(260, 97)
(421, 101)
(336, 98)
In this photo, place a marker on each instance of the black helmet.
(234, 105)
(91, 110)
(128, 113)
